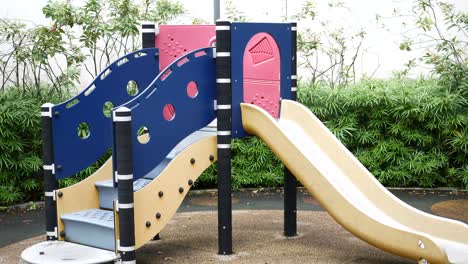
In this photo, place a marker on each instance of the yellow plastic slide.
(350, 193)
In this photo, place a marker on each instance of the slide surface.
(349, 192)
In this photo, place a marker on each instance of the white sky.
(381, 47)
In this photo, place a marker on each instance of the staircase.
(95, 227)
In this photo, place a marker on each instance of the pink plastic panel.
(262, 73)
(175, 40)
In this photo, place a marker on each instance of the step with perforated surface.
(107, 192)
(92, 227)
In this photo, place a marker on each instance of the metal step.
(195, 136)
(107, 192)
(189, 140)
(95, 227)
(92, 227)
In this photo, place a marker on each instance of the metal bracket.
(51, 194)
(49, 167)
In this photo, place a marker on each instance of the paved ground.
(192, 238)
(192, 235)
(19, 225)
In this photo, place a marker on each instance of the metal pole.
(123, 139)
(50, 183)
(290, 183)
(286, 9)
(216, 10)
(148, 36)
(223, 89)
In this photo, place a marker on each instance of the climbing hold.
(148, 223)
(60, 194)
(160, 193)
(192, 161)
(181, 189)
(211, 157)
(190, 182)
(62, 233)
(158, 215)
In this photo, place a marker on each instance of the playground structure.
(163, 137)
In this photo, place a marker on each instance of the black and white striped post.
(290, 183)
(148, 34)
(294, 61)
(50, 183)
(223, 89)
(149, 31)
(122, 118)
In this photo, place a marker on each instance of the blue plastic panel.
(241, 33)
(73, 153)
(191, 114)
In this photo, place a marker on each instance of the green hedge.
(253, 165)
(21, 147)
(406, 132)
(20, 143)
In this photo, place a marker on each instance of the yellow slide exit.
(349, 192)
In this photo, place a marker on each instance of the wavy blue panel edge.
(73, 154)
(191, 114)
(241, 33)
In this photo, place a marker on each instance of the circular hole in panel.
(169, 112)
(132, 88)
(143, 135)
(192, 89)
(107, 109)
(83, 130)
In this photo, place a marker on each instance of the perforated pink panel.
(175, 40)
(262, 73)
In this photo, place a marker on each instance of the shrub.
(20, 148)
(87, 37)
(406, 132)
(253, 165)
(21, 177)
